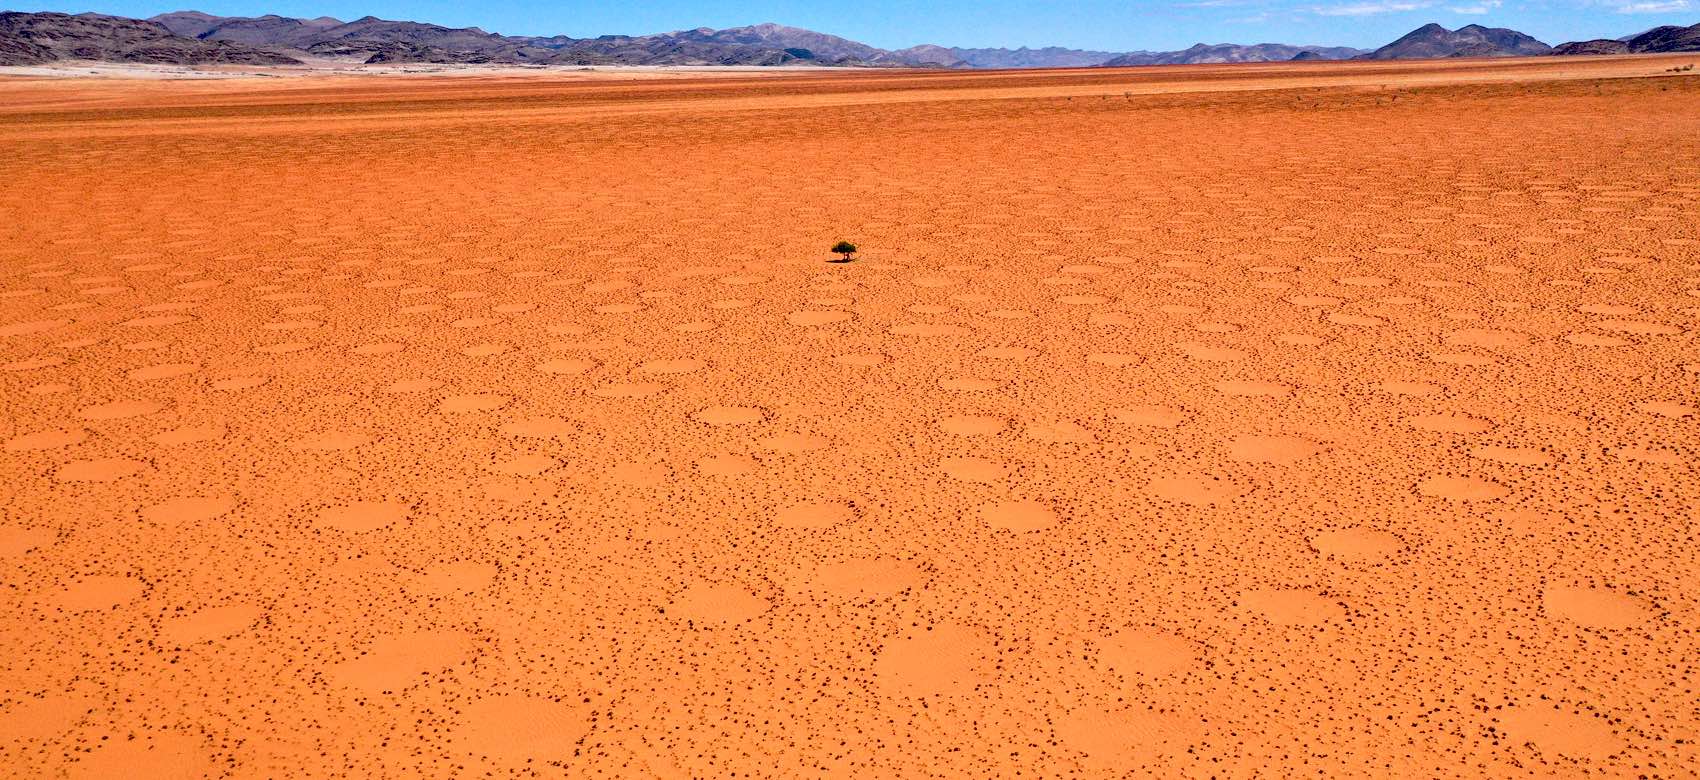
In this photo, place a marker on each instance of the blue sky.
(1112, 25)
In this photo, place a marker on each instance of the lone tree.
(844, 248)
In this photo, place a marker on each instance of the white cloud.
(1654, 7)
(1479, 8)
(1377, 7)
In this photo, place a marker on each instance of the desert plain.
(1321, 419)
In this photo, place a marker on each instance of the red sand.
(1335, 419)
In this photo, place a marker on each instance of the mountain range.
(195, 38)
(1201, 53)
(28, 39)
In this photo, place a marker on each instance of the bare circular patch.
(1271, 449)
(208, 624)
(973, 425)
(811, 318)
(523, 730)
(396, 661)
(729, 415)
(947, 660)
(1569, 734)
(1147, 652)
(1356, 544)
(974, 469)
(1018, 516)
(93, 593)
(1291, 606)
(98, 470)
(1595, 607)
(45, 440)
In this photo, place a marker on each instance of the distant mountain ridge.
(1024, 57)
(373, 40)
(754, 44)
(193, 38)
(1206, 53)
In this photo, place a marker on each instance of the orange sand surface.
(1314, 420)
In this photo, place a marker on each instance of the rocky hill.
(367, 39)
(35, 38)
(1596, 46)
(820, 47)
(1669, 38)
(1432, 41)
(1658, 40)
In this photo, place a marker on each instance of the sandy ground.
(1321, 420)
